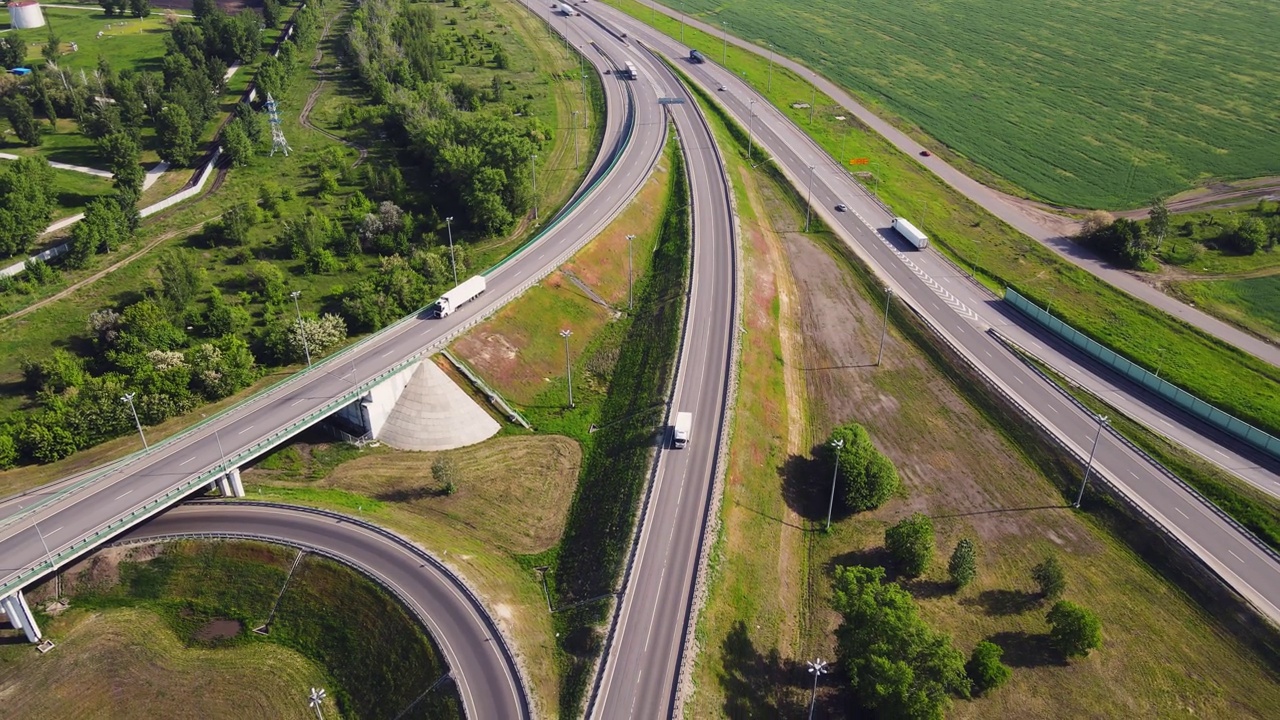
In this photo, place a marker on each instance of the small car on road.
(925, 153)
(842, 207)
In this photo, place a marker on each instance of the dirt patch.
(959, 477)
(220, 629)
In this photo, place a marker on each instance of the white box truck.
(680, 432)
(467, 291)
(630, 72)
(909, 231)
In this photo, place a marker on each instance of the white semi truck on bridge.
(909, 231)
(467, 291)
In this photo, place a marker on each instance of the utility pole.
(448, 223)
(306, 346)
(808, 205)
(817, 668)
(724, 53)
(681, 23)
(1102, 421)
(533, 175)
(630, 286)
(888, 295)
(838, 444)
(751, 123)
(813, 100)
(128, 398)
(57, 589)
(568, 367)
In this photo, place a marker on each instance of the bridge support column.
(233, 479)
(19, 614)
(224, 485)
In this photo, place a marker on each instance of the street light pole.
(838, 445)
(808, 204)
(681, 23)
(575, 139)
(813, 101)
(533, 174)
(1102, 421)
(751, 122)
(888, 295)
(630, 285)
(817, 668)
(314, 699)
(306, 346)
(568, 367)
(770, 80)
(448, 223)
(724, 53)
(128, 398)
(57, 591)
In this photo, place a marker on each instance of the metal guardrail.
(1023, 354)
(1229, 424)
(489, 392)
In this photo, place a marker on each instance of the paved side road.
(1027, 221)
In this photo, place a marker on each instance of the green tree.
(102, 229)
(144, 326)
(8, 451)
(175, 136)
(236, 144)
(45, 444)
(1050, 577)
(13, 51)
(898, 666)
(27, 199)
(18, 111)
(57, 373)
(1074, 630)
(140, 8)
(182, 279)
(868, 478)
(984, 668)
(267, 281)
(222, 318)
(1158, 221)
(124, 160)
(1247, 236)
(204, 8)
(910, 542)
(221, 367)
(271, 13)
(963, 566)
(52, 49)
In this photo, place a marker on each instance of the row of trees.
(1131, 243)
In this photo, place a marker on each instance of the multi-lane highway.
(961, 314)
(641, 664)
(480, 663)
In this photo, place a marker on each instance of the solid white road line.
(1182, 513)
(1236, 556)
(184, 462)
(126, 492)
(245, 430)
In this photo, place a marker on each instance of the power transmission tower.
(277, 133)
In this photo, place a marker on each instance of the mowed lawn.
(1253, 303)
(1091, 104)
(130, 43)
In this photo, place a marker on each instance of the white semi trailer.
(911, 233)
(467, 291)
(680, 432)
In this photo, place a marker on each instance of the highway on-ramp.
(959, 312)
(480, 663)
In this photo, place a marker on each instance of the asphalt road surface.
(642, 663)
(480, 663)
(953, 307)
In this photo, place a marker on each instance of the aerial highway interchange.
(642, 665)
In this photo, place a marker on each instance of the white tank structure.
(25, 14)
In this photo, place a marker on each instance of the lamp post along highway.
(838, 445)
(724, 52)
(681, 23)
(315, 699)
(575, 139)
(1102, 421)
(128, 398)
(808, 203)
(448, 223)
(57, 586)
(888, 295)
(751, 122)
(817, 668)
(302, 331)
(769, 82)
(630, 285)
(533, 177)
(568, 367)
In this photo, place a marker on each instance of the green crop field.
(129, 42)
(1091, 104)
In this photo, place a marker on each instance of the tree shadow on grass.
(756, 684)
(999, 603)
(804, 489)
(411, 494)
(1022, 649)
(922, 589)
